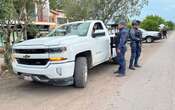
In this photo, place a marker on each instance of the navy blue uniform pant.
(121, 60)
(135, 53)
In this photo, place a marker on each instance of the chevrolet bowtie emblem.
(26, 56)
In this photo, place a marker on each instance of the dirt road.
(151, 87)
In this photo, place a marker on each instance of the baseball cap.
(136, 22)
(122, 22)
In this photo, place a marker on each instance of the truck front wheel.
(81, 72)
(149, 39)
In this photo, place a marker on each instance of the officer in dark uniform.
(121, 48)
(136, 44)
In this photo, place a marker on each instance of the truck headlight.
(57, 50)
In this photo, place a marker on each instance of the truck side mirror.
(98, 33)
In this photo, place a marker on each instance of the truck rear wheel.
(81, 72)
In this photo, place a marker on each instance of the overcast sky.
(163, 8)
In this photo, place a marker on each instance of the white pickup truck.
(65, 55)
(150, 36)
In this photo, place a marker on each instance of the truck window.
(79, 29)
(97, 26)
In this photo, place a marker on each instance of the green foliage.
(129, 25)
(32, 30)
(76, 10)
(24, 7)
(12, 12)
(56, 4)
(170, 25)
(7, 14)
(53, 4)
(7, 10)
(151, 23)
(101, 9)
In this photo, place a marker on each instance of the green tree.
(101, 9)
(151, 23)
(53, 4)
(56, 4)
(76, 10)
(170, 25)
(7, 19)
(15, 13)
(25, 12)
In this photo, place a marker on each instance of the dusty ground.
(151, 87)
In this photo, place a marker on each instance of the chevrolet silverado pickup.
(65, 55)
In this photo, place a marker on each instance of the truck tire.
(149, 39)
(81, 72)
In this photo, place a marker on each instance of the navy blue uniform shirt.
(123, 34)
(135, 35)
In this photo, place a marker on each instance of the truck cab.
(65, 55)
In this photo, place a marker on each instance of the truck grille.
(31, 51)
(32, 61)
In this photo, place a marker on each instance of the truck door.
(101, 43)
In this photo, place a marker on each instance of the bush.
(32, 31)
(151, 23)
(170, 25)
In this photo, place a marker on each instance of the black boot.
(131, 68)
(137, 66)
(120, 75)
(116, 72)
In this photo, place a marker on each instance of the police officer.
(121, 48)
(136, 44)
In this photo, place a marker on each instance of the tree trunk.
(25, 31)
(8, 52)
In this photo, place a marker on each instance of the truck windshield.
(80, 29)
